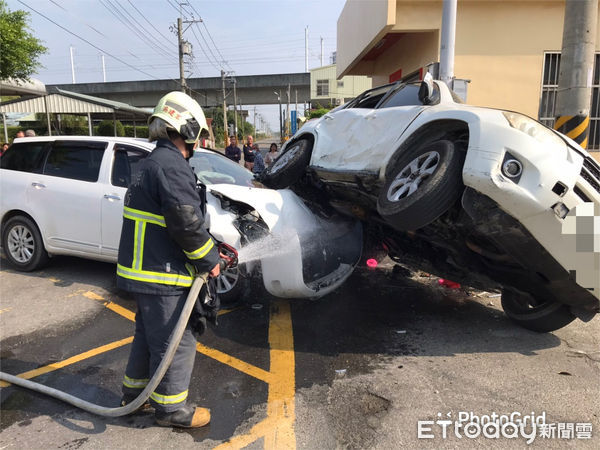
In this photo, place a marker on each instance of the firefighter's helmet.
(183, 113)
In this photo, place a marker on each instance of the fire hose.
(230, 258)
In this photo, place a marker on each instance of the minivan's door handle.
(38, 185)
(328, 117)
(112, 197)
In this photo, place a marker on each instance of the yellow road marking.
(72, 360)
(278, 427)
(237, 364)
(5, 310)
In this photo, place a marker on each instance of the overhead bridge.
(251, 90)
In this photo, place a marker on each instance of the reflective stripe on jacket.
(163, 239)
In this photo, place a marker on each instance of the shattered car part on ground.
(483, 197)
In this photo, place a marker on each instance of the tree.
(19, 49)
(107, 128)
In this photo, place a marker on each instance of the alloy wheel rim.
(411, 177)
(21, 245)
(227, 279)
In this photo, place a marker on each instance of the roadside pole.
(180, 45)
(447, 42)
(576, 70)
(224, 109)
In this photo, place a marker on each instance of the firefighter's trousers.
(155, 319)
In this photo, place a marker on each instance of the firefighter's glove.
(206, 308)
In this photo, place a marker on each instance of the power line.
(128, 24)
(144, 17)
(89, 43)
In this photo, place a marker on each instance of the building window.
(550, 88)
(340, 84)
(322, 87)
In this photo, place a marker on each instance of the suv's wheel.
(289, 166)
(23, 244)
(422, 184)
(230, 286)
(535, 314)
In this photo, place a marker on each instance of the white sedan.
(63, 195)
(490, 198)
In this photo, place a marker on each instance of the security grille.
(550, 88)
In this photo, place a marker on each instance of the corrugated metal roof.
(66, 102)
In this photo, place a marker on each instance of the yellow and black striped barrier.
(575, 127)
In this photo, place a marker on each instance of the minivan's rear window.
(24, 157)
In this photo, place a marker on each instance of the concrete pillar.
(576, 70)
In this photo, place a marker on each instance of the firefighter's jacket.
(163, 239)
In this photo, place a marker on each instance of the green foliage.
(140, 131)
(19, 49)
(106, 128)
(244, 128)
(314, 113)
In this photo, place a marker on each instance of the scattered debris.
(257, 306)
(400, 331)
(490, 303)
(564, 373)
(494, 295)
(340, 373)
(448, 284)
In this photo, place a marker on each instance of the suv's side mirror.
(426, 89)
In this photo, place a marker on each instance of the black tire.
(434, 171)
(231, 286)
(289, 166)
(23, 245)
(540, 316)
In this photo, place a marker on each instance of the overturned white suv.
(490, 198)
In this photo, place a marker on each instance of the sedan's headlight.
(534, 129)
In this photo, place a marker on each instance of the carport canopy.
(66, 102)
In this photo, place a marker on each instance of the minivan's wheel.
(230, 286)
(535, 314)
(23, 244)
(289, 166)
(423, 183)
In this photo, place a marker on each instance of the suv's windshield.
(211, 168)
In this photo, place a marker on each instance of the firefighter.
(163, 244)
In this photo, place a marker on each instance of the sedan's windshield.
(212, 168)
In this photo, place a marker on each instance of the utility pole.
(180, 42)
(288, 117)
(185, 48)
(224, 108)
(322, 52)
(72, 65)
(255, 120)
(576, 70)
(447, 42)
(306, 49)
(103, 69)
(235, 128)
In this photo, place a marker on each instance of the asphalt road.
(357, 369)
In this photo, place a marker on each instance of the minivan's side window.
(75, 161)
(408, 95)
(24, 157)
(126, 164)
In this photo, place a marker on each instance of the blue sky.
(247, 37)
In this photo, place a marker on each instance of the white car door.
(123, 163)
(358, 137)
(66, 197)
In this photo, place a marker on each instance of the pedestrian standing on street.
(20, 134)
(163, 244)
(4, 148)
(272, 155)
(232, 151)
(259, 162)
(29, 133)
(249, 153)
